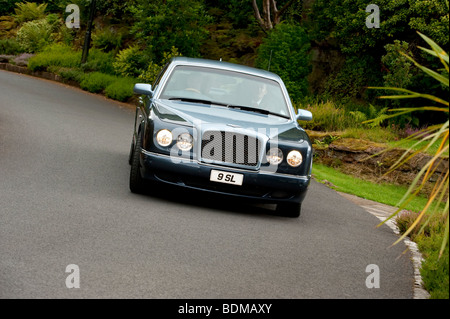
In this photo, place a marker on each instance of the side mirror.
(304, 115)
(143, 89)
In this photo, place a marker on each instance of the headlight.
(294, 158)
(164, 137)
(184, 142)
(274, 156)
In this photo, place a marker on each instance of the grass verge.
(382, 193)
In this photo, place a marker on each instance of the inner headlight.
(164, 137)
(274, 156)
(294, 158)
(185, 142)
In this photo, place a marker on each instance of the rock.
(5, 58)
(22, 59)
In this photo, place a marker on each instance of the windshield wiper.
(231, 106)
(185, 99)
(254, 109)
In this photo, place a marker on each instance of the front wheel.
(289, 209)
(136, 180)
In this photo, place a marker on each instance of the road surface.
(64, 200)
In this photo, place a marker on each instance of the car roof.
(225, 66)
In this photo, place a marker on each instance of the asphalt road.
(64, 199)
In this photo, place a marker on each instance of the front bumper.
(257, 185)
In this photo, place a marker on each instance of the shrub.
(129, 62)
(33, 36)
(96, 82)
(327, 116)
(153, 69)
(121, 89)
(29, 11)
(70, 74)
(106, 39)
(99, 61)
(56, 55)
(10, 46)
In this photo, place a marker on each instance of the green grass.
(383, 193)
(407, 144)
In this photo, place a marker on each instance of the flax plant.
(438, 201)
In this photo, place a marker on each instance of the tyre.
(289, 209)
(136, 180)
(130, 157)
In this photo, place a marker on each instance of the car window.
(225, 87)
(160, 75)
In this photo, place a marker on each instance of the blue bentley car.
(223, 128)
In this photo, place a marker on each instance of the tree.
(271, 15)
(163, 24)
(286, 52)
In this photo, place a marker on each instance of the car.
(224, 128)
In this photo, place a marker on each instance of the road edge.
(383, 212)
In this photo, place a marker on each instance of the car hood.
(221, 118)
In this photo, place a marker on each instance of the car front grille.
(230, 148)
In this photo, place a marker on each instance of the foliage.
(344, 21)
(96, 82)
(350, 82)
(327, 116)
(99, 61)
(431, 135)
(153, 69)
(56, 55)
(269, 16)
(10, 46)
(35, 35)
(121, 89)
(129, 62)
(398, 67)
(160, 25)
(107, 39)
(7, 6)
(286, 52)
(29, 11)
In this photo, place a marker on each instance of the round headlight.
(164, 137)
(185, 142)
(294, 158)
(274, 156)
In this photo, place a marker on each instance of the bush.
(99, 61)
(96, 82)
(33, 36)
(129, 62)
(10, 47)
(121, 89)
(56, 55)
(327, 116)
(106, 40)
(153, 69)
(29, 11)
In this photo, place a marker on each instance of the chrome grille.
(230, 147)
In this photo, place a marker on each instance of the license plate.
(227, 178)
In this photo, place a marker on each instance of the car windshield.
(226, 88)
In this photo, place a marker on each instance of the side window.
(160, 75)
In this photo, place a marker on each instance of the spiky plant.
(438, 201)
